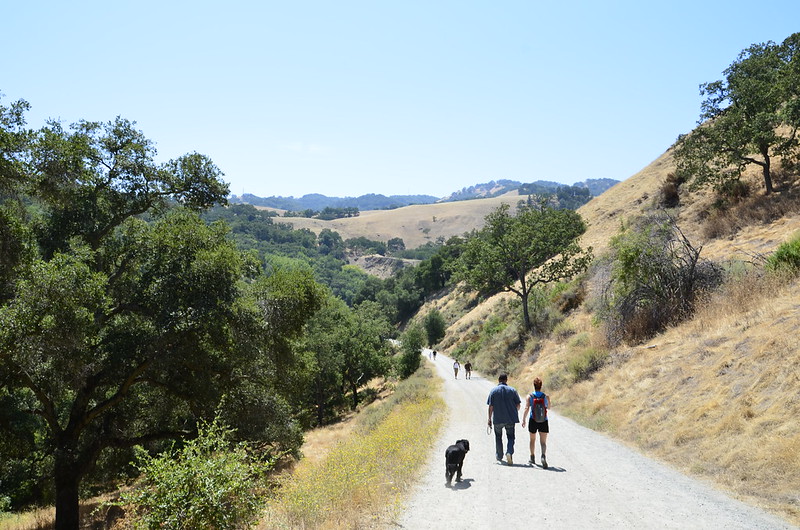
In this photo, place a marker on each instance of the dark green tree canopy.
(749, 117)
(435, 327)
(124, 318)
(515, 253)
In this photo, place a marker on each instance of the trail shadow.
(554, 469)
(464, 484)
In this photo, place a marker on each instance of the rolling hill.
(416, 224)
(715, 396)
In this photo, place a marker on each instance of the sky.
(346, 98)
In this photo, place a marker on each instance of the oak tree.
(515, 253)
(125, 319)
(748, 118)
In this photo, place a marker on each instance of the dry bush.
(655, 277)
(669, 193)
(727, 218)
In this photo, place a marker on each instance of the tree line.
(131, 312)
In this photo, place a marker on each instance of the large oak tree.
(515, 253)
(748, 118)
(124, 319)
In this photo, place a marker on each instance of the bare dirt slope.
(416, 225)
(592, 482)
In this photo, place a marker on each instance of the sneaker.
(544, 462)
(508, 459)
(532, 461)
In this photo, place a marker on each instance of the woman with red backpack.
(537, 403)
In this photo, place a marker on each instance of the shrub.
(412, 342)
(585, 364)
(563, 329)
(435, 327)
(787, 257)
(669, 196)
(655, 279)
(206, 484)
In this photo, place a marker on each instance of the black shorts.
(541, 427)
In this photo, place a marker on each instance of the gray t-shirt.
(504, 399)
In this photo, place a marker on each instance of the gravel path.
(592, 482)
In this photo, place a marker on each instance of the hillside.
(416, 224)
(715, 397)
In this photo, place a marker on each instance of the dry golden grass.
(94, 513)
(354, 485)
(716, 396)
(41, 518)
(416, 225)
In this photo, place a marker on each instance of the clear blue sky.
(403, 97)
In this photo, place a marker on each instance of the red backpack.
(538, 408)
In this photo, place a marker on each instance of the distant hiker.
(456, 366)
(468, 370)
(538, 403)
(504, 405)
(434, 355)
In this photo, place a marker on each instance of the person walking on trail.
(456, 366)
(504, 405)
(434, 355)
(538, 402)
(468, 370)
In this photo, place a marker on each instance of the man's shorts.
(541, 427)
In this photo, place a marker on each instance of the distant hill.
(416, 225)
(372, 201)
(316, 201)
(597, 186)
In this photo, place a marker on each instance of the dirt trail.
(593, 481)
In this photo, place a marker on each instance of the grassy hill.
(716, 396)
(416, 224)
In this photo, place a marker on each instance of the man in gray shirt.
(504, 405)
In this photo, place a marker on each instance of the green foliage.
(279, 245)
(492, 348)
(741, 117)
(786, 257)
(656, 275)
(587, 362)
(395, 245)
(364, 245)
(410, 359)
(537, 246)
(205, 484)
(435, 327)
(561, 197)
(124, 317)
(345, 349)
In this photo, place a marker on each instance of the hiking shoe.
(532, 461)
(508, 459)
(544, 462)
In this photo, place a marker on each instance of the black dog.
(454, 459)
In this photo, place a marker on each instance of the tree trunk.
(525, 313)
(354, 388)
(67, 479)
(767, 173)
